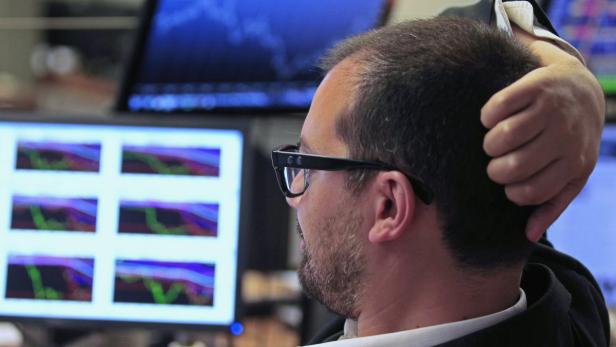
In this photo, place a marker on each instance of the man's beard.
(331, 269)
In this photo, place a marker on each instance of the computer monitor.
(590, 26)
(121, 221)
(587, 228)
(237, 55)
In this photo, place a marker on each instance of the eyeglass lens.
(295, 179)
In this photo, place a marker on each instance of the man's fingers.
(541, 187)
(514, 131)
(547, 213)
(524, 163)
(511, 100)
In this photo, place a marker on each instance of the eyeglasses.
(292, 170)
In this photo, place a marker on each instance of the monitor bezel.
(243, 125)
(135, 58)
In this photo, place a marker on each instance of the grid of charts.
(124, 222)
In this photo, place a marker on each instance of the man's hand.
(545, 132)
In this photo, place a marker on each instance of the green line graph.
(40, 163)
(157, 289)
(45, 224)
(40, 291)
(52, 278)
(164, 282)
(46, 213)
(158, 292)
(151, 219)
(157, 165)
(168, 218)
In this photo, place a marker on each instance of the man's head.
(408, 96)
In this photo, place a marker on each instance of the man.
(402, 230)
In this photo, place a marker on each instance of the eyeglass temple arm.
(296, 160)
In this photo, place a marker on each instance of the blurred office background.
(69, 57)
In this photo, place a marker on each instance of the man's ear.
(393, 208)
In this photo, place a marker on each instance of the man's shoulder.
(330, 331)
(565, 308)
(587, 315)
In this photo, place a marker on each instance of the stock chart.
(55, 156)
(171, 161)
(164, 283)
(163, 218)
(44, 213)
(206, 54)
(49, 278)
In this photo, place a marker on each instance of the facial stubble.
(332, 267)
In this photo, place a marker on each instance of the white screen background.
(587, 228)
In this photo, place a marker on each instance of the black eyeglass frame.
(285, 157)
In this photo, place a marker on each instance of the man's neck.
(412, 296)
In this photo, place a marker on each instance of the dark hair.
(416, 105)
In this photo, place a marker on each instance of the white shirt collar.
(428, 336)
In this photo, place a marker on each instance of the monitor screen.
(590, 25)
(587, 228)
(120, 222)
(199, 55)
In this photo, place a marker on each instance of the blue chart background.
(195, 41)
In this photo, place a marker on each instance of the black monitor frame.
(136, 58)
(131, 68)
(240, 124)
